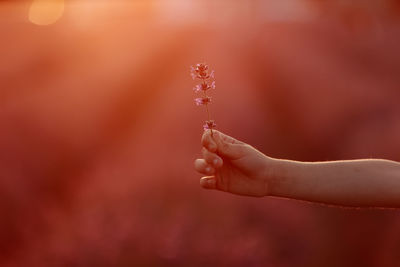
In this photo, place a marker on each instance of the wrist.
(280, 177)
(272, 171)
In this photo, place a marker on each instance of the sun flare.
(46, 12)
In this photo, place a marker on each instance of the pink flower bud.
(209, 125)
(204, 87)
(202, 100)
(200, 71)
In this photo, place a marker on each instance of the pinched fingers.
(203, 167)
(223, 144)
(208, 142)
(212, 158)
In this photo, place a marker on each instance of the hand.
(232, 166)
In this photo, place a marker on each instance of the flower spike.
(201, 71)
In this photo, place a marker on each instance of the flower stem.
(208, 113)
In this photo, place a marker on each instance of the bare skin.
(236, 167)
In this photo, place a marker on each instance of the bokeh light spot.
(46, 12)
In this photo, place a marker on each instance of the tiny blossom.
(200, 71)
(197, 88)
(209, 125)
(213, 84)
(202, 100)
(204, 87)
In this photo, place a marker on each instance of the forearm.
(370, 182)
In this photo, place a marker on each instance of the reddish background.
(99, 131)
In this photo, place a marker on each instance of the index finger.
(208, 142)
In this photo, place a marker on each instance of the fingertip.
(208, 182)
(197, 162)
(203, 167)
(205, 134)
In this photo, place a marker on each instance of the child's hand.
(238, 168)
(232, 166)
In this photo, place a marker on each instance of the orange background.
(99, 130)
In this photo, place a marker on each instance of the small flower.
(204, 87)
(202, 100)
(197, 88)
(213, 83)
(200, 71)
(209, 125)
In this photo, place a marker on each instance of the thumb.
(223, 144)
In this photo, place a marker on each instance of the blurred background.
(99, 130)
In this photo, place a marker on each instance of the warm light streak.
(46, 12)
